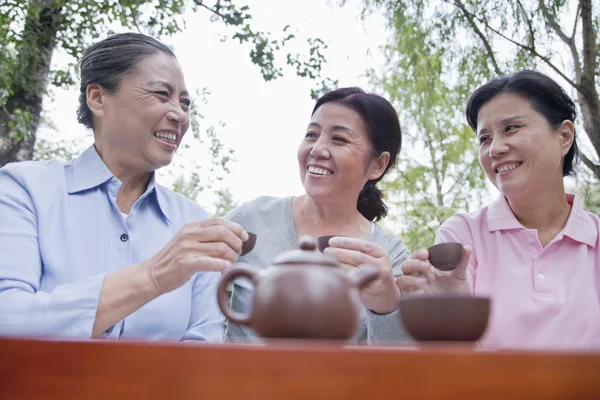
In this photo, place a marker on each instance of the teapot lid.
(307, 254)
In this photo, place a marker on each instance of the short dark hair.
(546, 96)
(383, 128)
(106, 62)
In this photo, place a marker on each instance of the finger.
(461, 269)
(421, 254)
(416, 267)
(212, 234)
(361, 245)
(205, 263)
(351, 257)
(410, 283)
(237, 229)
(347, 267)
(215, 250)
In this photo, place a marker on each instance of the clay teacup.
(445, 319)
(446, 256)
(323, 242)
(248, 245)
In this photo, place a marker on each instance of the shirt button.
(530, 240)
(124, 237)
(541, 276)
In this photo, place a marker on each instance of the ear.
(567, 136)
(379, 165)
(96, 99)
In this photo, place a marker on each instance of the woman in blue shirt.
(95, 247)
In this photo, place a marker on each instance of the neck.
(133, 182)
(547, 211)
(316, 219)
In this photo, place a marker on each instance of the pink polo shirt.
(542, 298)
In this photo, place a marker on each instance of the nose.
(498, 147)
(178, 115)
(320, 149)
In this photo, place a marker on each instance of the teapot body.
(303, 295)
(305, 301)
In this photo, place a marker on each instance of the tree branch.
(590, 164)
(576, 19)
(569, 41)
(529, 24)
(589, 43)
(533, 51)
(486, 44)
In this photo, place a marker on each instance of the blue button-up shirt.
(61, 232)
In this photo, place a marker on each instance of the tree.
(495, 37)
(438, 171)
(31, 30)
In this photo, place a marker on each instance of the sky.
(265, 121)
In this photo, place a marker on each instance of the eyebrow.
(168, 86)
(335, 127)
(503, 122)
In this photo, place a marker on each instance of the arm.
(70, 309)
(90, 306)
(381, 297)
(387, 328)
(206, 318)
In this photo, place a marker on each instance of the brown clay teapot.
(303, 295)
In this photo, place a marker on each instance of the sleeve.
(206, 319)
(70, 309)
(456, 229)
(387, 328)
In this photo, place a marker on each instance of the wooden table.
(31, 369)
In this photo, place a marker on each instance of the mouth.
(168, 137)
(508, 167)
(319, 171)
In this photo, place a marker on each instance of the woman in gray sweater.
(351, 142)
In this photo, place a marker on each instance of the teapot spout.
(363, 275)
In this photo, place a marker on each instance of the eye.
(483, 139)
(339, 139)
(310, 135)
(511, 128)
(163, 94)
(186, 103)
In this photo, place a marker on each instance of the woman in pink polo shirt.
(535, 250)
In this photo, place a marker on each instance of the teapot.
(304, 294)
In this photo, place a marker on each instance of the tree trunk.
(30, 79)
(587, 92)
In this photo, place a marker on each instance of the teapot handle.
(228, 276)
(363, 275)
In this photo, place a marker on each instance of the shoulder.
(28, 171)
(466, 223)
(264, 208)
(33, 177)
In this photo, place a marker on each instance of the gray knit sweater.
(271, 219)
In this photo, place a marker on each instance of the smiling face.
(142, 124)
(336, 157)
(521, 153)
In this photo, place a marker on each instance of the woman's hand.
(211, 245)
(420, 277)
(380, 296)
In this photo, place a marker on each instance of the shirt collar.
(579, 226)
(89, 171)
(86, 172)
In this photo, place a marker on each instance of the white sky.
(265, 121)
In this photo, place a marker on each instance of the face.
(521, 153)
(143, 123)
(336, 157)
